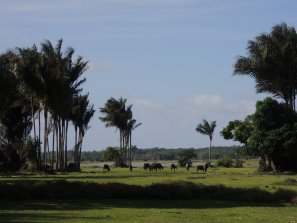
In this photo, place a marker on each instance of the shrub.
(238, 163)
(225, 162)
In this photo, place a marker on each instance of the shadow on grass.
(46, 217)
(177, 190)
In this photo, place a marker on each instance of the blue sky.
(172, 59)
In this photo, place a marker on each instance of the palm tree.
(31, 85)
(131, 125)
(117, 114)
(271, 61)
(63, 75)
(81, 114)
(207, 128)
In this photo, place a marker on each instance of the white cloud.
(101, 66)
(216, 105)
(197, 106)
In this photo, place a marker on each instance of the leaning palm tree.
(207, 128)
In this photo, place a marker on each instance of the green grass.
(246, 177)
(222, 192)
(144, 211)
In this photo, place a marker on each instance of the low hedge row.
(60, 189)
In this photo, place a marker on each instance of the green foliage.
(238, 130)
(270, 133)
(271, 61)
(29, 153)
(238, 163)
(225, 162)
(110, 154)
(184, 157)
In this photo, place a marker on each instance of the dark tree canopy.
(272, 62)
(270, 133)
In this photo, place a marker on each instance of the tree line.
(157, 154)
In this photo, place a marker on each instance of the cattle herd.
(158, 166)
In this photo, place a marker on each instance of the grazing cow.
(106, 167)
(173, 167)
(156, 166)
(202, 167)
(146, 166)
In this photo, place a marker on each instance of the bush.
(225, 162)
(238, 163)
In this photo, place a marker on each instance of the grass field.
(246, 177)
(129, 210)
(144, 211)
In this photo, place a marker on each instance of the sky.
(172, 59)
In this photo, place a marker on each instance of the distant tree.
(207, 128)
(185, 157)
(117, 114)
(110, 154)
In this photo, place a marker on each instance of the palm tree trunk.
(80, 147)
(130, 152)
(65, 152)
(75, 152)
(45, 136)
(209, 152)
(39, 132)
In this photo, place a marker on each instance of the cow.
(156, 166)
(146, 166)
(173, 167)
(202, 167)
(106, 167)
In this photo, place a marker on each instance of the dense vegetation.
(233, 152)
(271, 132)
(36, 83)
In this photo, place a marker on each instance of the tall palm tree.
(63, 75)
(131, 125)
(117, 114)
(207, 128)
(81, 114)
(31, 85)
(271, 61)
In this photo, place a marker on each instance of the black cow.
(106, 167)
(156, 166)
(146, 166)
(173, 167)
(202, 167)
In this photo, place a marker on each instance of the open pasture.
(133, 209)
(246, 177)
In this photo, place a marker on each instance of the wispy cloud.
(197, 106)
(101, 66)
